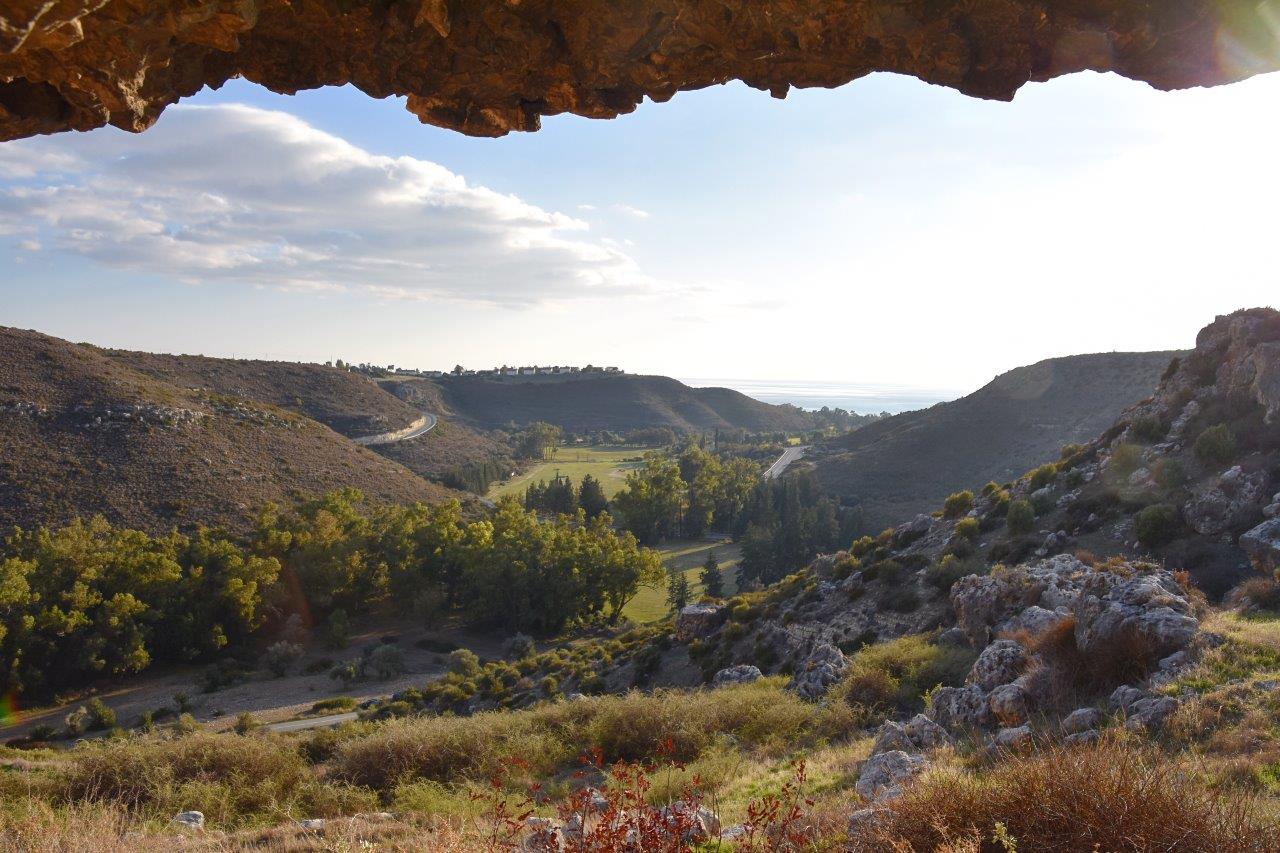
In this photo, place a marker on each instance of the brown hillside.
(82, 432)
(909, 463)
(614, 403)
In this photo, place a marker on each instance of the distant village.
(503, 372)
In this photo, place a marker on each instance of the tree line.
(90, 599)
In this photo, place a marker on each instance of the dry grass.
(1110, 796)
(1068, 677)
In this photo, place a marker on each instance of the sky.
(887, 232)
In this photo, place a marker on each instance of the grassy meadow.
(686, 556)
(609, 465)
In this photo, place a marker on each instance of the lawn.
(686, 556)
(609, 465)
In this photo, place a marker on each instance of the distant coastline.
(863, 398)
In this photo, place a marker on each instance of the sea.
(863, 398)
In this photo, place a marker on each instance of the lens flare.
(8, 709)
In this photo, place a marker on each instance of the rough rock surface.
(882, 775)
(743, 673)
(698, 620)
(1262, 544)
(824, 667)
(487, 67)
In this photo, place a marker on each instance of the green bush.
(1148, 428)
(1125, 459)
(1216, 445)
(334, 704)
(1043, 476)
(895, 676)
(100, 716)
(1021, 517)
(464, 662)
(968, 528)
(942, 574)
(889, 572)
(957, 504)
(1157, 524)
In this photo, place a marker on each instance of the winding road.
(422, 425)
(791, 454)
(312, 723)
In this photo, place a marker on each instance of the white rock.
(191, 820)
(882, 775)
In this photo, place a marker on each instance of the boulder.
(1014, 738)
(1009, 704)
(1113, 611)
(959, 708)
(1150, 713)
(953, 636)
(698, 620)
(905, 534)
(1035, 620)
(1080, 720)
(189, 819)
(891, 737)
(999, 663)
(925, 733)
(1235, 501)
(312, 824)
(882, 775)
(824, 666)
(743, 673)
(1081, 738)
(698, 824)
(1262, 545)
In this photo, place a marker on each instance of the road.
(311, 723)
(422, 425)
(791, 454)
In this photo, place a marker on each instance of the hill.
(907, 464)
(617, 403)
(162, 441)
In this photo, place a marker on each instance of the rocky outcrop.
(698, 620)
(882, 775)
(1262, 544)
(487, 67)
(823, 668)
(743, 673)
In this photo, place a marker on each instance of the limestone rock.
(1013, 738)
(700, 824)
(487, 67)
(1081, 738)
(1000, 663)
(824, 667)
(882, 775)
(698, 620)
(1262, 544)
(1080, 720)
(189, 819)
(743, 673)
(1009, 704)
(925, 734)
(959, 708)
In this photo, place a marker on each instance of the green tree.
(711, 576)
(1021, 517)
(591, 496)
(678, 592)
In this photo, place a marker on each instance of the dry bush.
(1257, 593)
(1108, 796)
(1068, 677)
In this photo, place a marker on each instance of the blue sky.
(887, 231)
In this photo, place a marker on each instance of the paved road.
(311, 723)
(791, 454)
(422, 425)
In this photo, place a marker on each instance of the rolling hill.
(161, 441)
(620, 402)
(908, 463)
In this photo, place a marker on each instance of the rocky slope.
(907, 464)
(487, 67)
(154, 445)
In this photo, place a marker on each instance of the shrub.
(1021, 517)
(348, 673)
(1148, 428)
(1070, 677)
(1043, 476)
(896, 675)
(318, 666)
(968, 528)
(957, 504)
(280, 656)
(889, 572)
(385, 662)
(1170, 474)
(334, 704)
(337, 630)
(1259, 593)
(76, 721)
(245, 723)
(518, 646)
(902, 599)
(464, 662)
(1216, 445)
(942, 574)
(100, 716)
(1157, 524)
(223, 674)
(1125, 459)
(990, 488)
(1107, 796)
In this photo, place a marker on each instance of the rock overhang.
(488, 67)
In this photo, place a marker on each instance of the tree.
(591, 496)
(1021, 517)
(280, 656)
(677, 590)
(711, 576)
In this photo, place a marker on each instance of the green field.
(687, 556)
(609, 465)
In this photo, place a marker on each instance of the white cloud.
(233, 193)
(587, 207)
(29, 245)
(631, 211)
